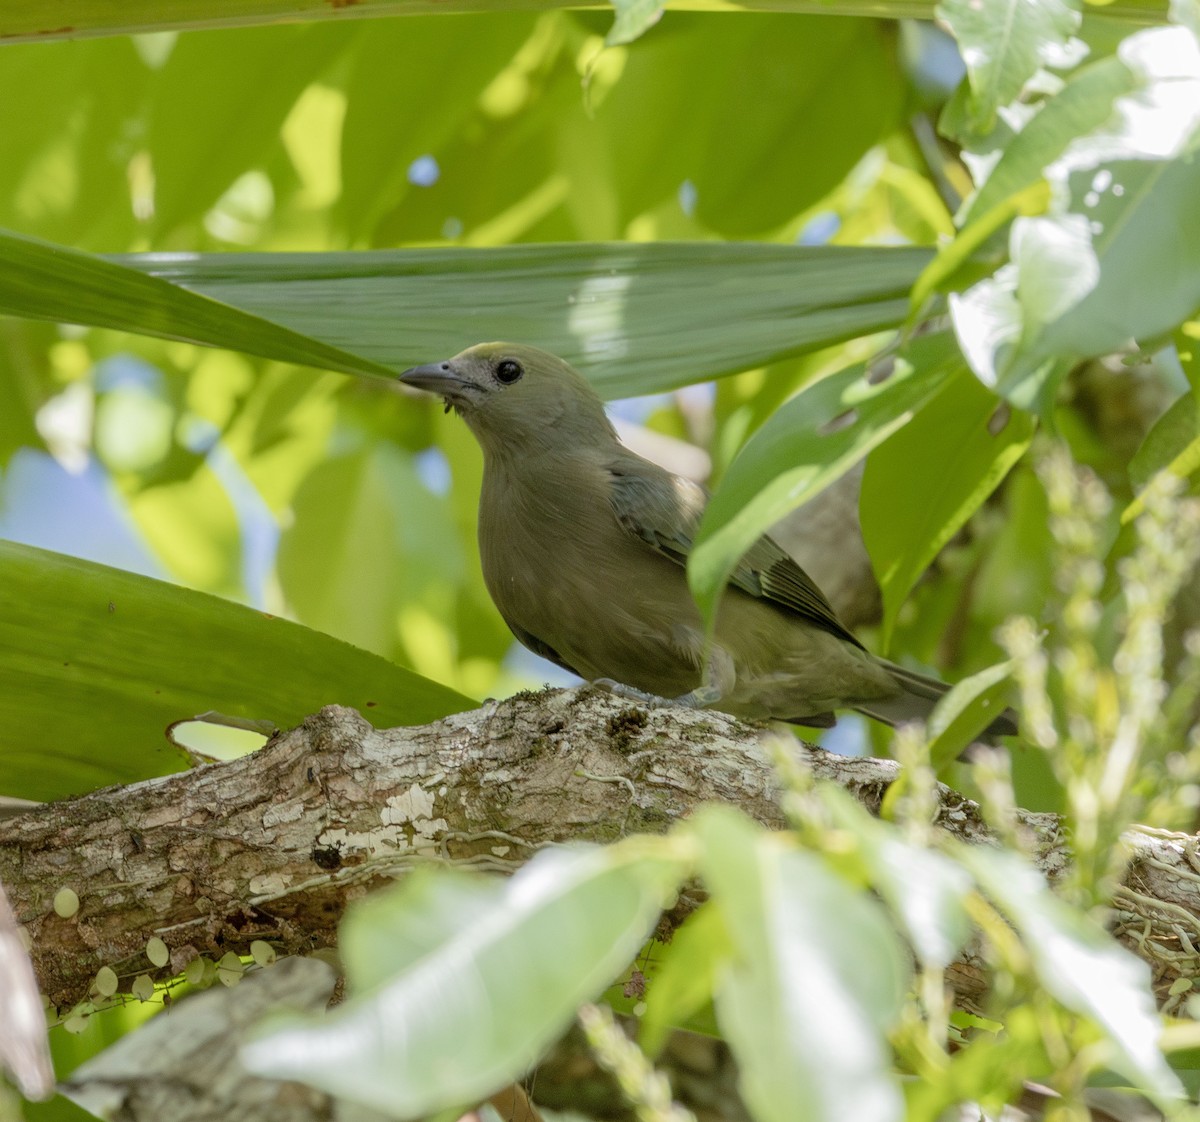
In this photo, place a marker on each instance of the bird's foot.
(630, 693)
(694, 699)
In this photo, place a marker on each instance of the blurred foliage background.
(350, 505)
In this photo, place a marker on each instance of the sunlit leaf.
(634, 18)
(1145, 228)
(1016, 184)
(389, 933)
(1080, 964)
(817, 978)
(922, 887)
(957, 257)
(1187, 350)
(1082, 105)
(1122, 207)
(459, 983)
(97, 662)
(634, 318)
(1005, 43)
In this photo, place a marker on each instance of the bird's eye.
(508, 371)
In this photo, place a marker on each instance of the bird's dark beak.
(436, 377)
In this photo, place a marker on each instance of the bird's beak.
(436, 377)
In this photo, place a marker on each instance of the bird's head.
(515, 397)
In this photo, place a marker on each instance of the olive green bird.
(584, 546)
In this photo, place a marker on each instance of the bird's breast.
(560, 568)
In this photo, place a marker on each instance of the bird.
(584, 546)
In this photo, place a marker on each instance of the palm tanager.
(584, 546)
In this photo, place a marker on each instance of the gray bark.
(274, 845)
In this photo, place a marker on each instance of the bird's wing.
(528, 639)
(664, 510)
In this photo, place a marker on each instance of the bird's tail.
(921, 693)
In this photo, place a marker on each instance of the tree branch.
(274, 845)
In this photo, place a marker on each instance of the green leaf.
(1080, 965)
(636, 318)
(69, 134)
(924, 889)
(817, 978)
(634, 18)
(1145, 225)
(820, 95)
(958, 256)
(1081, 106)
(482, 979)
(1172, 444)
(1187, 349)
(210, 122)
(97, 662)
(1004, 44)
(21, 373)
(392, 118)
(50, 282)
(1122, 207)
(1186, 1064)
(515, 151)
(391, 932)
(913, 503)
(965, 711)
(685, 982)
(29, 20)
(803, 447)
(1016, 184)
